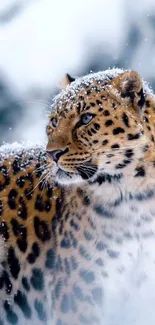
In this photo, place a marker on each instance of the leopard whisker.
(44, 185)
(38, 101)
(40, 168)
(36, 185)
(85, 172)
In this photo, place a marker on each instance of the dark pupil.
(54, 122)
(86, 118)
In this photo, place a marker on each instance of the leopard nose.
(56, 154)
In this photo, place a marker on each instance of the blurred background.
(41, 40)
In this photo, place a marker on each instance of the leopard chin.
(63, 177)
(84, 173)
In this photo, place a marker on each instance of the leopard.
(77, 218)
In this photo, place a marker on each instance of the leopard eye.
(86, 118)
(54, 122)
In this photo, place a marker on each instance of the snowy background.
(41, 40)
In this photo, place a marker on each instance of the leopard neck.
(136, 181)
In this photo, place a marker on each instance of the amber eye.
(86, 118)
(54, 122)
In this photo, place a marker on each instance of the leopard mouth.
(64, 177)
(85, 171)
(62, 173)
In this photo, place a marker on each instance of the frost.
(70, 92)
(21, 149)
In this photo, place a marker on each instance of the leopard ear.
(130, 84)
(66, 81)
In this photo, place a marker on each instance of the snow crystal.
(24, 148)
(81, 83)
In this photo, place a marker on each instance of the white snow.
(7, 150)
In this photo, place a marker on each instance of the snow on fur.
(23, 149)
(69, 93)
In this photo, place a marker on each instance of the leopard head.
(96, 125)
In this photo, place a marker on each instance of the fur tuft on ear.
(128, 83)
(66, 81)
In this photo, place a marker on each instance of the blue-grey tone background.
(40, 40)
